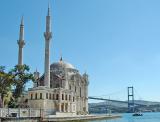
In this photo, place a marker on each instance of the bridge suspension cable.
(111, 94)
(137, 94)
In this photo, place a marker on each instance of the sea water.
(147, 117)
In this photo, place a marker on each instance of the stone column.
(86, 98)
(64, 107)
(71, 107)
(59, 107)
(60, 96)
(69, 110)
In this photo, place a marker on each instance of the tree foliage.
(6, 80)
(21, 76)
(12, 83)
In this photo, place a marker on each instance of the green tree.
(21, 76)
(6, 80)
(12, 84)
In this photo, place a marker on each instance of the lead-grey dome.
(62, 64)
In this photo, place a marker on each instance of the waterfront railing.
(20, 112)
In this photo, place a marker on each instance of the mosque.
(61, 89)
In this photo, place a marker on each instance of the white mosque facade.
(61, 89)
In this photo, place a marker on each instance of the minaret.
(21, 42)
(48, 36)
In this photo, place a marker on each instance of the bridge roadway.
(98, 98)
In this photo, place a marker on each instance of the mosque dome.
(61, 64)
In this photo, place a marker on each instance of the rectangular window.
(73, 99)
(62, 97)
(69, 97)
(46, 95)
(36, 96)
(50, 96)
(57, 97)
(31, 96)
(40, 95)
(66, 97)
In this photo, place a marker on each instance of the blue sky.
(116, 41)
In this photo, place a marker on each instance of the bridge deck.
(98, 98)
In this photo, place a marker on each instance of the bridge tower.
(130, 99)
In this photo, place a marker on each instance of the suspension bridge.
(131, 101)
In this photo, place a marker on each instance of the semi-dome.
(63, 64)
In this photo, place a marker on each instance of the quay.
(20, 119)
(59, 119)
(81, 117)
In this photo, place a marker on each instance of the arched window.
(36, 96)
(50, 96)
(57, 85)
(62, 97)
(31, 96)
(57, 96)
(40, 95)
(46, 95)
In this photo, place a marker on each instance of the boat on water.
(137, 114)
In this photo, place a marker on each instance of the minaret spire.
(48, 36)
(21, 42)
(61, 59)
(48, 9)
(22, 21)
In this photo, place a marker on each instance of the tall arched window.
(36, 96)
(50, 96)
(46, 95)
(57, 96)
(40, 95)
(31, 96)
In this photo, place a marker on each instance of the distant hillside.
(119, 107)
(146, 102)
